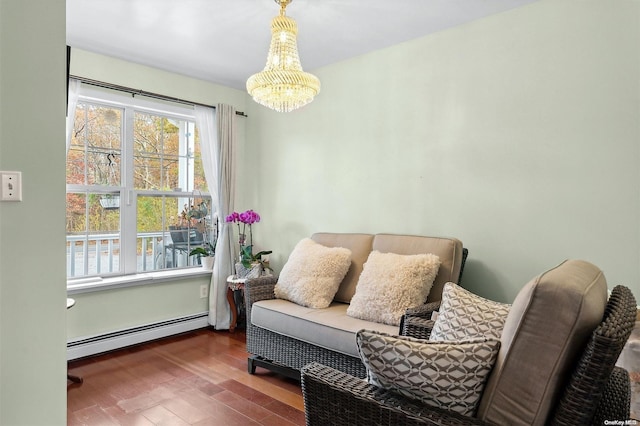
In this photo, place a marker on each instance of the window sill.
(87, 285)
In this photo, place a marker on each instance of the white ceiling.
(225, 41)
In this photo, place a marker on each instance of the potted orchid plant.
(250, 263)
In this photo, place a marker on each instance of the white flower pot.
(207, 262)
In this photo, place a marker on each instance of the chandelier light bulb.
(283, 85)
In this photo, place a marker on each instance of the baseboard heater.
(94, 345)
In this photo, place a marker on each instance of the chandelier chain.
(283, 5)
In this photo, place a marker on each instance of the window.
(137, 198)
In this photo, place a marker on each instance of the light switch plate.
(11, 189)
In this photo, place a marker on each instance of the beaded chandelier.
(283, 85)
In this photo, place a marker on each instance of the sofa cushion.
(547, 328)
(329, 328)
(449, 250)
(464, 315)
(390, 284)
(360, 246)
(312, 274)
(448, 375)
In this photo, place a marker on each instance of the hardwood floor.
(197, 378)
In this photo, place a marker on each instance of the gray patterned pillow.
(448, 375)
(464, 315)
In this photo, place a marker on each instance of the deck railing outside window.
(99, 254)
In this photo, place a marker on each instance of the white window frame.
(128, 274)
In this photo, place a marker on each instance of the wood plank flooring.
(197, 378)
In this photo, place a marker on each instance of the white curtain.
(74, 90)
(217, 139)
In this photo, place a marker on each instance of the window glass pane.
(104, 234)
(76, 155)
(156, 152)
(199, 181)
(151, 239)
(76, 213)
(103, 145)
(104, 213)
(94, 153)
(93, 234)
(166, 154)
(76, 235)
(168, 232)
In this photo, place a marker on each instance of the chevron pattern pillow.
(448, 375)
(464, 315)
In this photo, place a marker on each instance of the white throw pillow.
(464, 315)
(390, 283)
(312, 274)
(449, 375)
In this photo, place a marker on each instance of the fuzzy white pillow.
(312, 274)
(390, 283)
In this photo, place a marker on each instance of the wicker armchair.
(596, 391)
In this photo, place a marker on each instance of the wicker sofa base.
(285, 355)
(257, 361)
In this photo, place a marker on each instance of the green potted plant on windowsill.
(206, 252)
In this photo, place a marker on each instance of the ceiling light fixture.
(283, 85)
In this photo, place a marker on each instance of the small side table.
(234, 284)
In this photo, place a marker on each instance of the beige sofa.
(283, 336)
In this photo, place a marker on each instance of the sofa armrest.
(256, 289)
(419, 328)
(332, 397)
(419, 312)
(423, 311)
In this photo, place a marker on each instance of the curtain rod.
(143, 93)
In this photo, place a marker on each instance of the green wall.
(106, 311)
(518, 133)
(32, 271)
